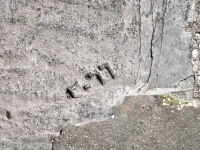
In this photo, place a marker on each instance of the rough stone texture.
(45, 46)
(140, 122)
(194, 28)
(26, 143)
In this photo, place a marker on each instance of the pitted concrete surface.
(139, 123)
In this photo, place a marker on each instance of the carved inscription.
(86, 87)
(107, 66)
(70, 90)
(99, 77)
(89, 76)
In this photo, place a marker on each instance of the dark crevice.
(151, 45)
(8, 114)
(175, 86)
(52, 147)
(140, 88)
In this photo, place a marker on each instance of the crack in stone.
(151, 46)
(183, 80)
(163, 21)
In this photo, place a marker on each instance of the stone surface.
(26, 143)
(194, 28)
(46, 46)
(140, 122)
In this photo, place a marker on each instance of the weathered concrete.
(26, 143)
(141, 122)
(46, 46)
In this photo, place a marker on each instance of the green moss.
(168, 100)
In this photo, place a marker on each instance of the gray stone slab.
(46, 46)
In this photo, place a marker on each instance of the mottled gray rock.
(46, 46)
(194, 28)
(26, 143)
(139, 123)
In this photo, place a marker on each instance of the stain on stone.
(18, 71)
(65, 119)
(89, 75)
(8, 114)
